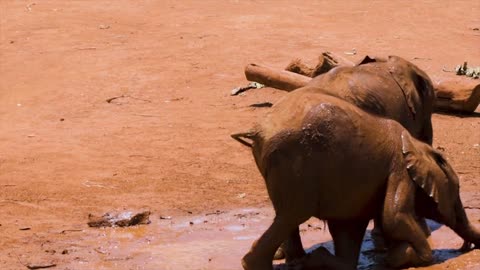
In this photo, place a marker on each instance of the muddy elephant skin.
(315, 150)
(392, 87)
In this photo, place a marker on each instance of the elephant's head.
(438, 188)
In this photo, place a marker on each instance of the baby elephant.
(324, 157)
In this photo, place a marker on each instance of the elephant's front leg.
(260, 256)
(410, 245)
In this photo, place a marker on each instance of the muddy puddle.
(217, 241)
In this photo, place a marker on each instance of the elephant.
(314, 150)
(391, 87)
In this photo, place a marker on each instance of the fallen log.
(280, 79)
(325, 62)
(459, 94)
(453, 95)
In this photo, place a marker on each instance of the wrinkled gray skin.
(393, 88)
(315, 150)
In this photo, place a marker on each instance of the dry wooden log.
(329, 60)
(460, 94)
(325, 62)
(299, 67)
(280, 79)
(453, 95)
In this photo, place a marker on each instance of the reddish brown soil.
(164, 144)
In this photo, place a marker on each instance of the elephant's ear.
(402, 75)
(430, 171)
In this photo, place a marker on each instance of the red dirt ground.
(164, 144)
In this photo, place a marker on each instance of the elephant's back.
(370, 87)
(333, 148)
(289, 112)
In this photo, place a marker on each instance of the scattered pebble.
(217, 212)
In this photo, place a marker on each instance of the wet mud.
(214, 240)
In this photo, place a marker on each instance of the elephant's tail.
(246, 138)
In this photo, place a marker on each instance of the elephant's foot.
(292, 249)
(252, 262)
(403, 255)
(261, 254)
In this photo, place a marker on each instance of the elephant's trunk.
(463, 227)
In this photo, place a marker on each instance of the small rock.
(103, 26)
(64, 252)
(241, 195)
(123, 219)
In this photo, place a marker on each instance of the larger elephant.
(392, 87)
(315, 150)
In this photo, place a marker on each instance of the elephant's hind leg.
(347, 237)
(261, 254)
